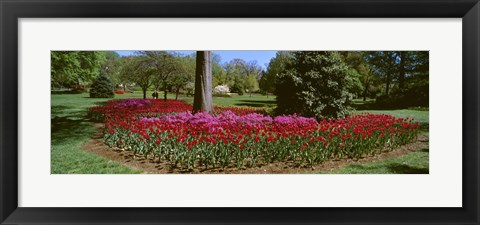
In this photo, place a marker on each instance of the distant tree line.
(324, 83)
(151, 70)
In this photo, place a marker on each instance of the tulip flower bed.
(134, 109)
(169, 132)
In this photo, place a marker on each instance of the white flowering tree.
(221, 90)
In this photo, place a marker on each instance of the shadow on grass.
(100, 103)
(424, 127)
(425, 150)
(58, 108)
(256, 103)
(405, 169)
(372, 105)
(65, 127)
(367, 105)
(393, 168)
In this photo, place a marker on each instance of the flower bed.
(128, 109)
(169, 132)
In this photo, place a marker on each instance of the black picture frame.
(12, 10)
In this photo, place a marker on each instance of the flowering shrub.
(119, 92)
(169, 132)
(221, 89)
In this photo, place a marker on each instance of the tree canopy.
(75, 67)
(313, 84)
(102, 87)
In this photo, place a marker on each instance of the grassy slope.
(70, 129)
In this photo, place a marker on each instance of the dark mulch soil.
(96, 146)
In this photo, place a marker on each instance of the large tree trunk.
(165, 92)
(202, 100)
(144, 93)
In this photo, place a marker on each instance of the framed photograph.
(252, 112)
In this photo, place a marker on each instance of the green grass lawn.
(71, 128)
(411, 163)
(418, 115)
(246, 100)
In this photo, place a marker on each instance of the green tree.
(184, 73)
(139, 71)
(124, 78)
(164, 65)
(113, 64)
(314, 84)
(242, 76)
(170, 70)
(404, 74)
(384, 66)
(251, 84)
(252, 74)
(102, 87)
(360, 73)
(191, 65)
(218, 75)
(277, 65)
(218, 72)
(238, 85)
(354, 83)
(231, 73)
(368, 80)
(75, 67)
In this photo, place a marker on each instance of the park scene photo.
(239, 112)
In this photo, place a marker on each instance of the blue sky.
(262, 57)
